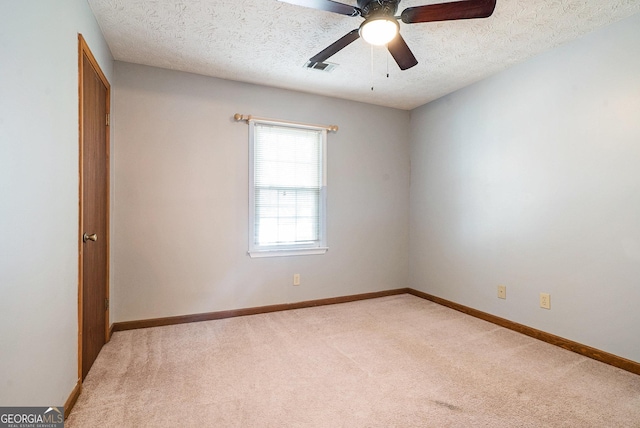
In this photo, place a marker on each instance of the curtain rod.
(246, 118)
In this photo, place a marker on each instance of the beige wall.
(181, 197)
(530, 179)
(39, 196)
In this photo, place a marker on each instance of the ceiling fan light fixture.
(379, 30)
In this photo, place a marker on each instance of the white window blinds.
(287, 189)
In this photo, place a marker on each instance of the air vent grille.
(327, 67)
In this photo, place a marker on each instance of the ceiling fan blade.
(336, 46)
(328, 5)
(401, 53)
(467, 9)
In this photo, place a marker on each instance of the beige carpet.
(397, 361)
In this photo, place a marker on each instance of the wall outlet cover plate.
(545, 300)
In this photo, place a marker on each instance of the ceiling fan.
(380, 26)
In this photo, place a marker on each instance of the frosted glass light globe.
(379, 31)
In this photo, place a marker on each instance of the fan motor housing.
(377, 7)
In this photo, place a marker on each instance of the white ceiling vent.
(322, 66)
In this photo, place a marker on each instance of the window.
(287, 189)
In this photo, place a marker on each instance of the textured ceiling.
(267, 42)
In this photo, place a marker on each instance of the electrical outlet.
(296, 279)
(502, 291)
(545, 300)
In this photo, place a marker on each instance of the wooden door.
(94, 209)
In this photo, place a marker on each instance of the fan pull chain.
(387, 56)
(371, 67)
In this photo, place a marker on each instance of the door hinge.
(108, 118)
(106, 304)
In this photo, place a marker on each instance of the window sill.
(287, 252)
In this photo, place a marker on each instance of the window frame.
(313, 248)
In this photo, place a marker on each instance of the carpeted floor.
(397, 361)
